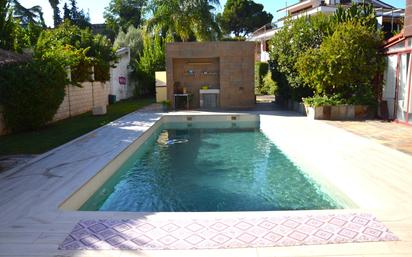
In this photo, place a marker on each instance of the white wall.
(121, 91)
(78, 100)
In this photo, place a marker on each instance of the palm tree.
(185, 19)
(28, 15)
(204, 22)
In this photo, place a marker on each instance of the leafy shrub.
(317, 101)
(363, 13)
(7, 27)
(132, 39)
(362, 98)
(77, 48)
(345, 64)
(261, 69)
(269, 85)
(63, 45)
(363, 95)
(103, 54)
(296, 51)
(31, 93)
(289, 43)
(152, 59)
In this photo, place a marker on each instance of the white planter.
(99, 110)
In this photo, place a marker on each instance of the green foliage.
(185, 20)
(133, 39)
(13, 36)
(317, 101)
(26, 37)
(261, 69)
(283, 91)
(151, 60)
(336, 58)
(78, 16)
(345, 64)
(103, 53)
(8, 26)
(289, 43)
(31, 93)
(75, 15)
(56, 12)
(242, 17)
(76, 48)
(65, 45)
(66, 12)
(363, 98)
(121, 14)
(167, 103)
(269, 85)
(264, 83)
(362, 13)
(28, 15)
(58, 133)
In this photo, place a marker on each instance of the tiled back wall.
(236, 68)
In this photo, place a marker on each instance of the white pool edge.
(75, 200)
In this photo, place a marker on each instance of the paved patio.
(370, 177)
(392, 134)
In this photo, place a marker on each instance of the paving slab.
(372, 177)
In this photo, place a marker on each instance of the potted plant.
(166, 104)
(319, 107)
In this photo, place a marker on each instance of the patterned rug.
(135, 234)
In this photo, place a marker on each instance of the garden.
(71, 53)
(321, 60)
(330, 60)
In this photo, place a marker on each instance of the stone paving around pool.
(391, 134)
(135, 234)
(375, 180)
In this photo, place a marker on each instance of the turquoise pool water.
(206, 169)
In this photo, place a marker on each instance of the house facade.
(121, 85)
(389, 18)
(397, 91)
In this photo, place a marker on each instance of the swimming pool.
(208, 166)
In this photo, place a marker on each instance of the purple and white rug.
(143, 234)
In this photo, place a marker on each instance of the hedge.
(31, 93)
(261, 69)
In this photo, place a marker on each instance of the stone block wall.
(236, 69)
(79, 100)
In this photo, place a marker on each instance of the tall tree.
(242, 17)
(121, 14)
(28, 15)
(66, 12)
(7, 26)
(132, 39)
(56, 12)
(185, 20)
(74, 10)
(76, 16)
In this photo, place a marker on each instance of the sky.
(96, 7)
